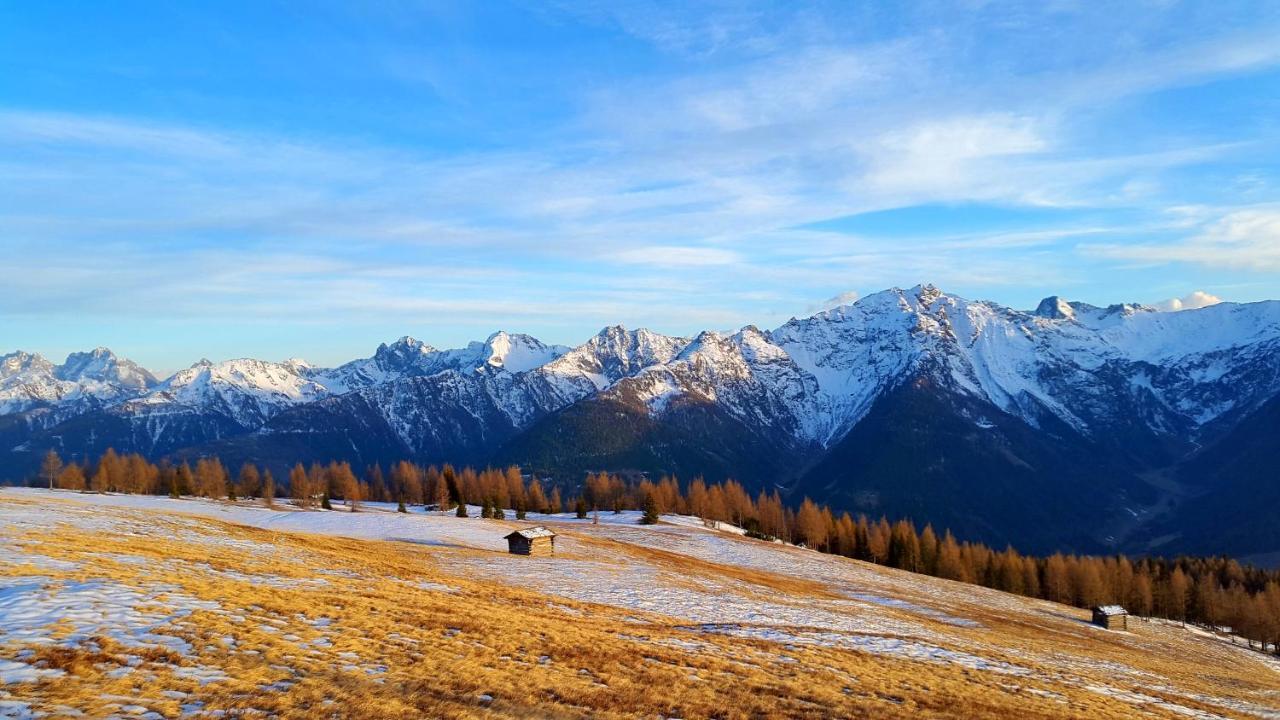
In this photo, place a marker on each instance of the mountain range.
(1069, 427)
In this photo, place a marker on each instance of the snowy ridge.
(808, 382)
(87, 379)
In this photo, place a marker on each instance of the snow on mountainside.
(910, 402)
(1121, 369)
(248, 391)
(29, 381)
(611, 355)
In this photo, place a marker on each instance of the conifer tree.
(400, 506)
(375, 484)
(862, 540)
(324, 502)
(650, 516)
(462, 510)
(520, 511)
(498, 512)
(450, 477)
(580, 509)
(186, 479)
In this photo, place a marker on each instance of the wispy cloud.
(1247, 239)
(681, 176)
(674, 256)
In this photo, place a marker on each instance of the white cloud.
(1247, 239)
(954, 157)
(1193, 301)
(845, 298)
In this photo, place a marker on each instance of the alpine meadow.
(755, 360)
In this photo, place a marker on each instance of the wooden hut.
(1111, 617)
(534, 541)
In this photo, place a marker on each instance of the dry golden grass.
(396, 646)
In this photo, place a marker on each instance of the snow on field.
(868, 643)
(425, 528)
(30, 607)
(607, 578)
(17, 710)
(870, 610)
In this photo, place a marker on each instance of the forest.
(1216, 593)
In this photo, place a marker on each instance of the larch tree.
(1141, 598)
(268, 489)
(811, 525)
(50, 466)
(250, 480)
(698, 498)
(537, 499)
(102, 480)
(211, 478)
(928, 551)
(950, 565)
(1176, 595)
(71, 478)
(300, 486)
(442, 495)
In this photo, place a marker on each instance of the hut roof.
(531, 533)
(1110, 610)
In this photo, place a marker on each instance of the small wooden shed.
(535, 541)
(1111, 617)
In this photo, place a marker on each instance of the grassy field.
(166, 612)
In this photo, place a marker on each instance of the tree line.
(1212, 592)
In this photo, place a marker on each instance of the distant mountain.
(1070, 426)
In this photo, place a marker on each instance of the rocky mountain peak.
(1055, 308)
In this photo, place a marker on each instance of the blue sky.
(266, 179)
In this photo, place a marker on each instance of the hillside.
(154, 607)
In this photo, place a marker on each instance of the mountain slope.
(1237, 486)
(963, 464)
(1040, 427)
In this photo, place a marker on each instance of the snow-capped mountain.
(87, 379)
(1123, 391)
